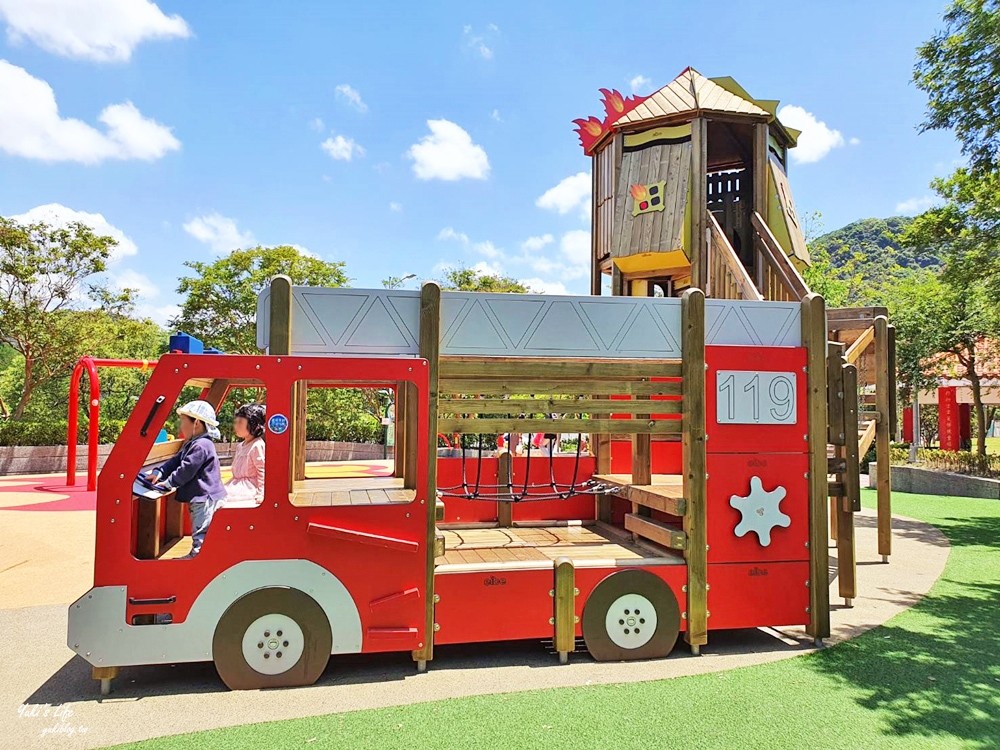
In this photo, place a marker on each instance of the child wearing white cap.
(194, 472)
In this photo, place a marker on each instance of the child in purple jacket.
(194, 472)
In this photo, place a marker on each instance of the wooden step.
(656, 531)
(665, 493)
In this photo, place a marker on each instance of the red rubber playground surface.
(47, 532)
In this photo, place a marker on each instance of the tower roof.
(692, 91)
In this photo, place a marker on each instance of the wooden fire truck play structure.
(703, 506)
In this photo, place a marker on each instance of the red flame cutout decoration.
(591, 130)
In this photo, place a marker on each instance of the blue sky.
(401, 137)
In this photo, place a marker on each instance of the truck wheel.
(272, 637)
(631, 614)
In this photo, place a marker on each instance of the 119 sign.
(754, 397)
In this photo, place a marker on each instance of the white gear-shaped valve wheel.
(760, 511)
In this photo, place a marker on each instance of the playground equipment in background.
(180, 342)
(713, 451)
(89, 365)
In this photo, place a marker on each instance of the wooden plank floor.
(351, 491)
(535, 543)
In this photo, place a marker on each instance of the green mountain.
(873, 242)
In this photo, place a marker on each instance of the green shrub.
(368, 431)
(54, 433)
(960, 462)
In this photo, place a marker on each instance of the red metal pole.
(93, 411)
(71, 422)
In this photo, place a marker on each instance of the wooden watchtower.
(690, 189)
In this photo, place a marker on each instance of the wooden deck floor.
(352, 491)
(544, 543)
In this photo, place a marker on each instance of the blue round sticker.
(277, 424)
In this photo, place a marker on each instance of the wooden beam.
(852, 474)
(861, 343)
(411, 421)
(521, 387)
(279, 339)
(522, 368)
(430, 338)
(884, 384)
(695, 466)
(760, 160)
(655, 531)
(698, 252)
(554, 406)
(867, 438)
(814, 338)
(500, 425)
(837, 432)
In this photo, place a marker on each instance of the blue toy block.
(182, 342)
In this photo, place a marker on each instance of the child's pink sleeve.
(257, 467)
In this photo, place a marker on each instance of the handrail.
(724, 263)
(90, 365)
(778, 260)
(855, 350)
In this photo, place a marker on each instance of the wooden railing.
(727, 278)
(777, 277)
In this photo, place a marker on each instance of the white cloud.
(304, 251)
(139, 282)
(448, 153)
(101, 30)
(57, 215)
(640, 84)
(347, 93)
(817, 139)
(914, 206)
(575, 249)
(545, 287)
(219, 232)
(487, 249)
(31, 127)
(485, 268)
(317, 124)
(395, 207)
(341, 148)
(448, 233)
(495, 116)
(854, 141)
(533, 244)
(572, 193)
(478, 43)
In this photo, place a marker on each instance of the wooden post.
(412, 422)
(595, 229)
(279, 342)
(847, 567)
(884, 382)
(699, 188)
(760, 167)
(505, 508)
(695, 465)
(836, 431)
(105, 675)
(564, 608)
(279, 339)
(814, 339)
(300, 395)
(399, 449)
(430, 342)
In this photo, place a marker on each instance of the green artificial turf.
(929, 678)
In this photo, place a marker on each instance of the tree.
(470, 280)
(220, 304)
(958, 68)
(46, 277)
